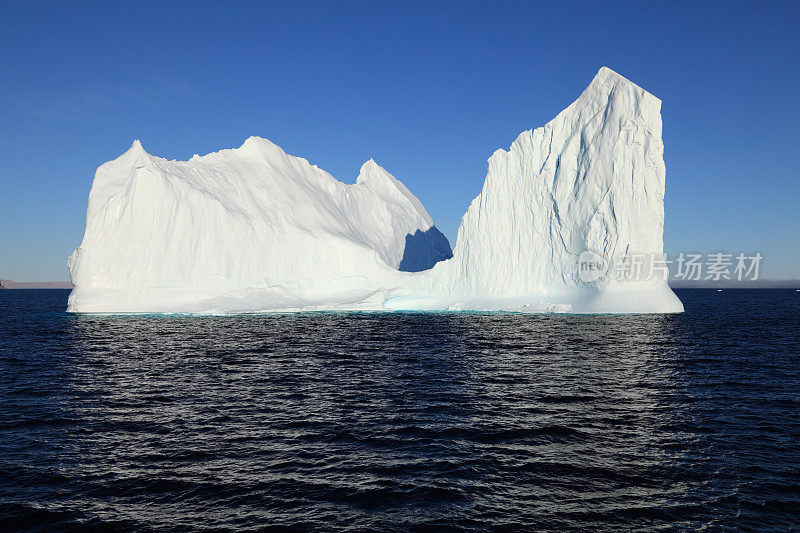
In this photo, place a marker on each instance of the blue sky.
(429, 89)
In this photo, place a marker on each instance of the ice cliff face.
(254, 229)
(592, 179)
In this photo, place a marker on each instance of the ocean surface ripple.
(402, 422)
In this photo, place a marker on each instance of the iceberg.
(253, 229)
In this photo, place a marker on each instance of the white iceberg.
(256, 230)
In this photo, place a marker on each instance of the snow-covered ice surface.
(256, 230)
(248, 229)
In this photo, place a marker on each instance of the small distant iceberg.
(254, 229)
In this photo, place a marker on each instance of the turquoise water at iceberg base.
(402, 422)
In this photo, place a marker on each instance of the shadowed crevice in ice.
(424, 249)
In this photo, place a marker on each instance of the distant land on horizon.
(8, 284)
(675, 284)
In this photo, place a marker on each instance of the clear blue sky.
(428, 89)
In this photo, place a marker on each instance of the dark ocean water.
(402, 422)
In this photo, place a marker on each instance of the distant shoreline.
(8, 284)
(733, 284)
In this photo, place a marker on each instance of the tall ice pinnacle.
(591, 179)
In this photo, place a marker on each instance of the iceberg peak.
(606, 73)
(608, 77)
(137, 148)
(375, 176)
(255, 141)
(260, 146)
(372, 172)
(135, 155)
(607, 82)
